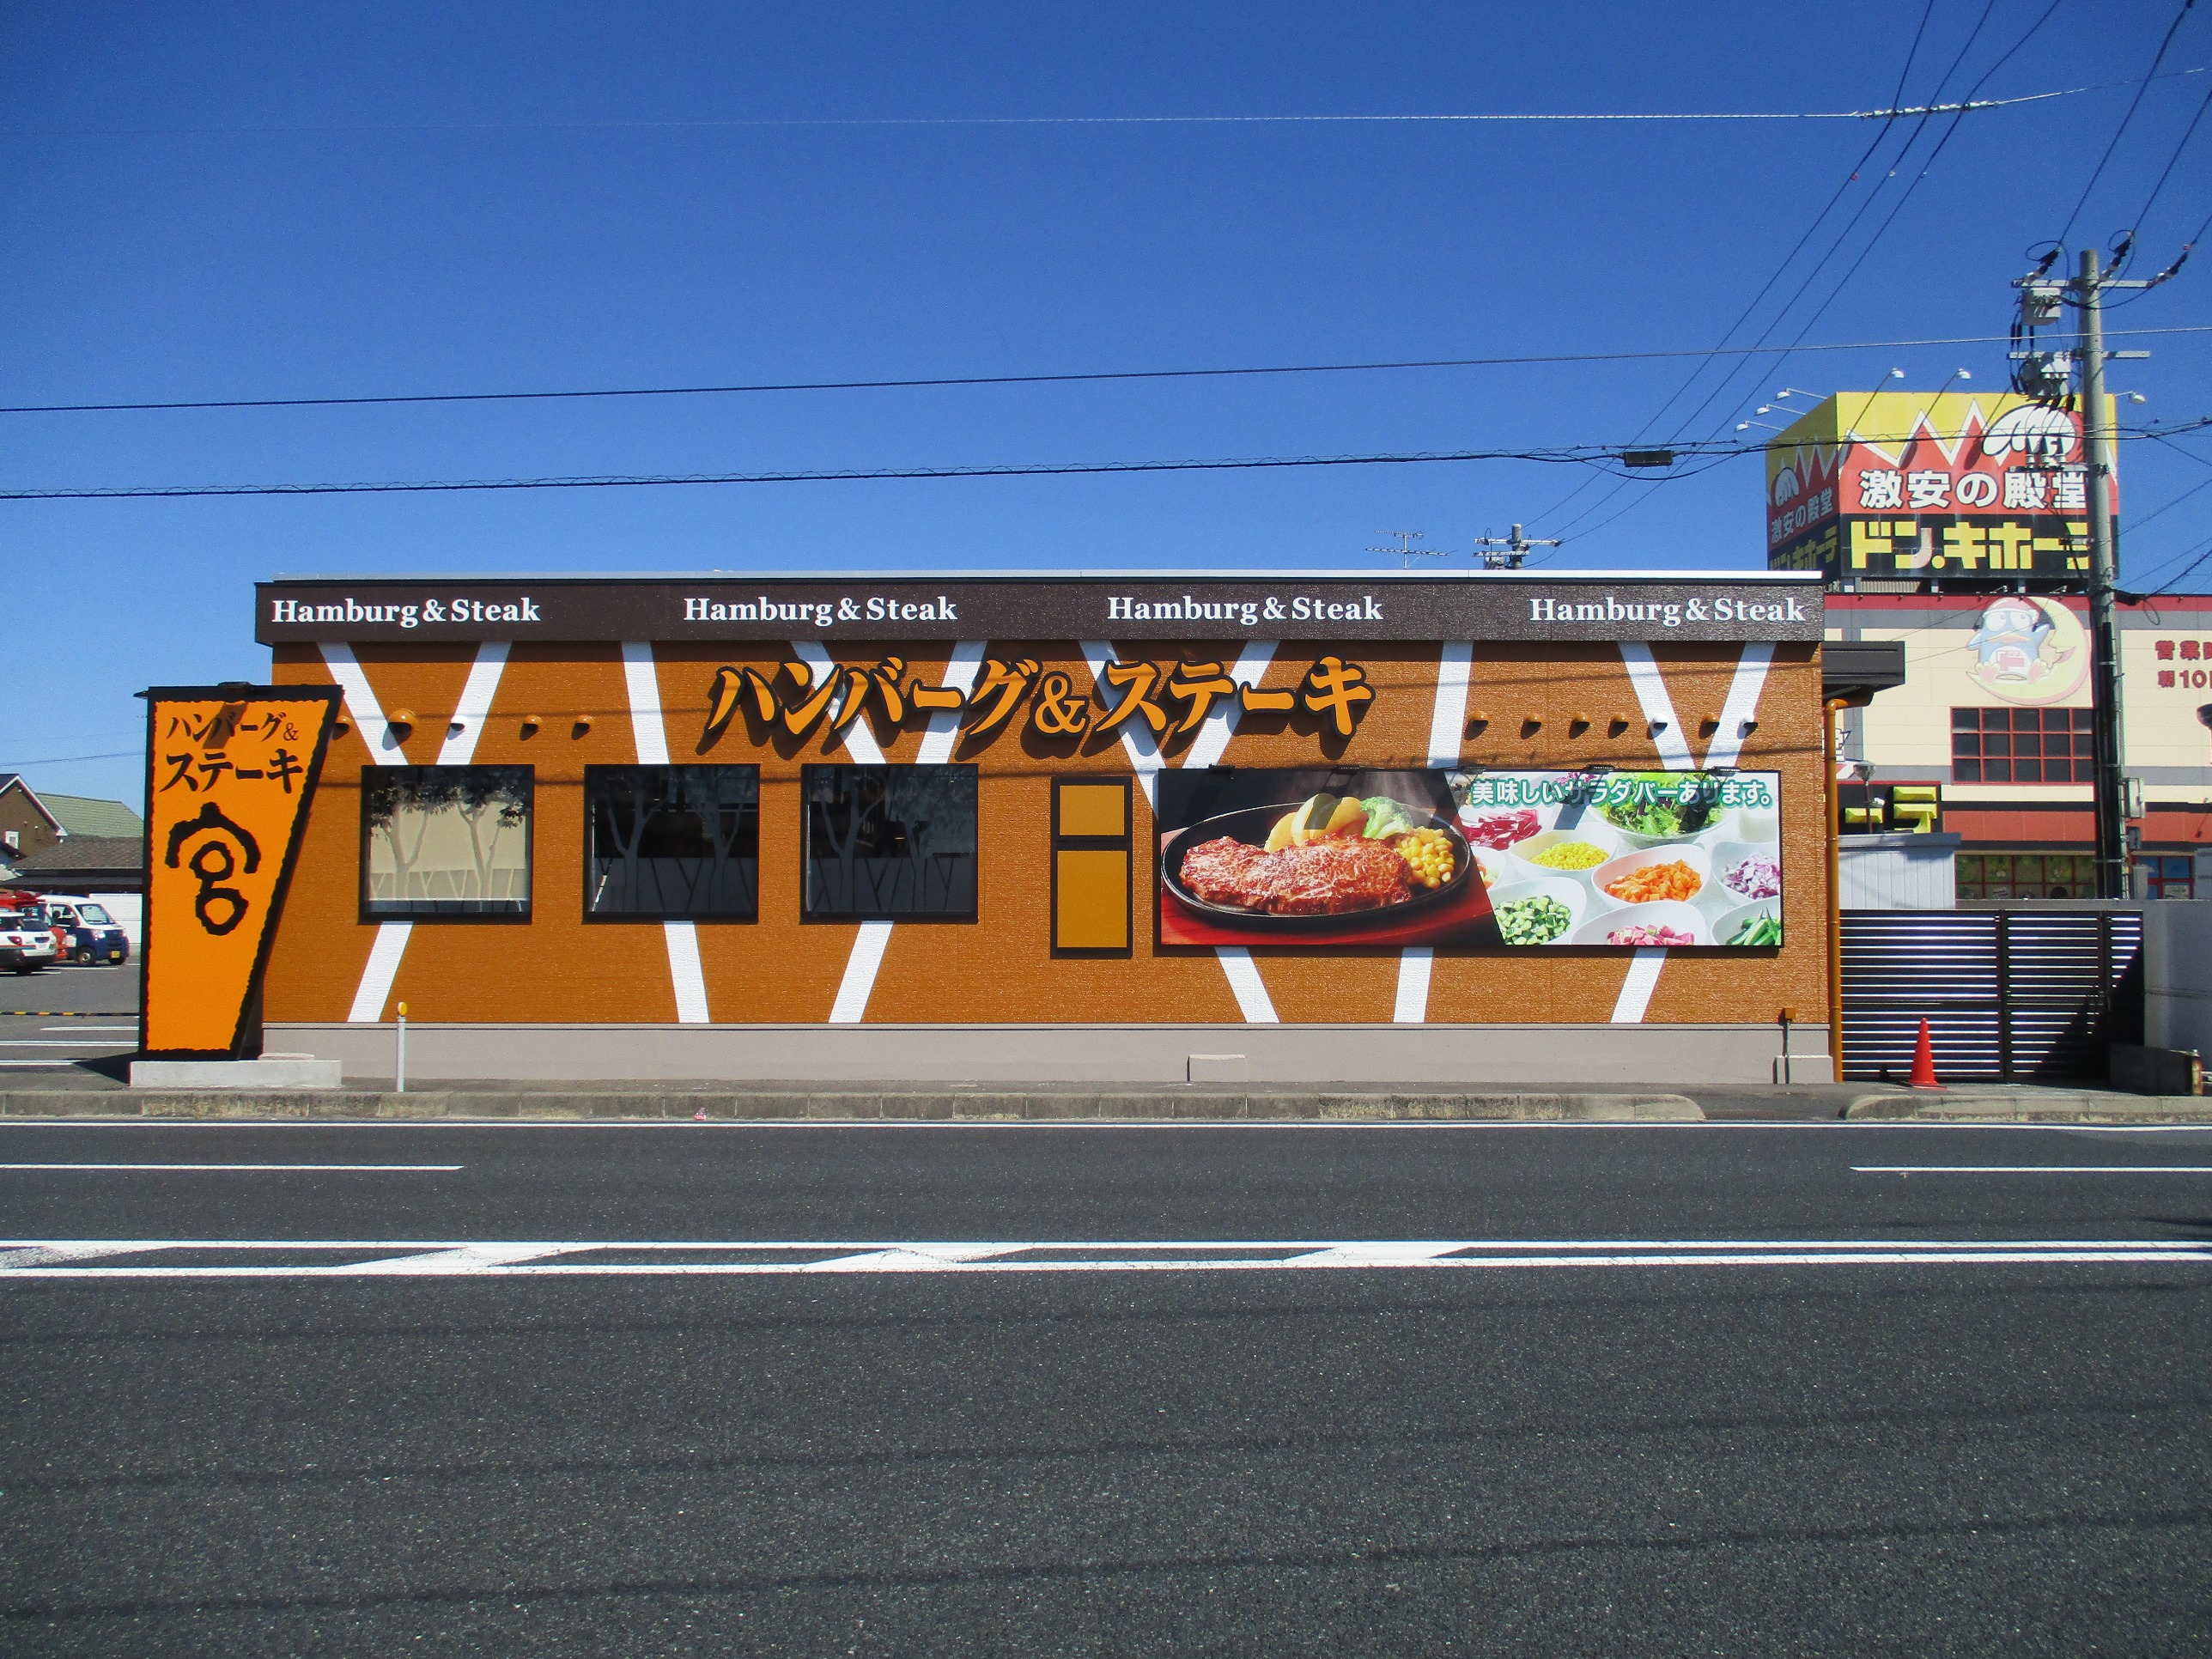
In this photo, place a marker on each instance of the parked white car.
(26, 940)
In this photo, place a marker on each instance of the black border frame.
(467, 918)
(924, 919)
(584, 872)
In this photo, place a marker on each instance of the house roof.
(88, 815)
(85, 855)
(17, 781)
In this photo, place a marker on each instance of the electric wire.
(2135, 103)
(1811, 275)
(1608, 456)
(957, 381)
(2174, 159)
(1868, 247)
(739, 124)
(1766, 287)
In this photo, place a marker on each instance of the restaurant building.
(1139, 827)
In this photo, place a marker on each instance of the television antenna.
(1408, 552)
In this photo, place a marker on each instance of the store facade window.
(445, 843)
(2021, 746)
(889, 843)
(2168, 876)
(1993, 877)
(672, 843)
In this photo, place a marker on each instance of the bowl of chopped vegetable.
(1746, 871)
(1570, 852)
(1664, 820)
(1757, 923)
(1674, 873)
(1662, 922)
(1539, 911)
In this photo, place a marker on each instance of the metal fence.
(2027, 992)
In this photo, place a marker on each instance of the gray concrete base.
(789, 1103)
(270, 1072)
(1448, 1056)
(2004, 1105)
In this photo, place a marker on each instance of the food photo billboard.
(1616, 860)
(1627, 860)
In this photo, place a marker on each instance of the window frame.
(1125, 843)
(809, 917)
(521, 917)
(600, 917)
(1980, 730)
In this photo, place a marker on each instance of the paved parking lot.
(61, 1015)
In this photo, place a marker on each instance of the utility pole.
(1506, 553)
(2104, 623)
(2044, 375)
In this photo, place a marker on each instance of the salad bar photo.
(1627, 860)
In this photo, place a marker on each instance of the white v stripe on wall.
(687, 976)
(1739, 711)
(938, 740)
(389, 948)
(1447, 729)
(1245, 984)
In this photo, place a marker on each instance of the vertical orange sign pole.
(230, 772)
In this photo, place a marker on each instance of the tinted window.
(890, 842)
(671, 843)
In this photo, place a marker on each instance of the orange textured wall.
(1525, 707)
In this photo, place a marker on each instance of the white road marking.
(54, 1043)
(133, 1030)
(60, 1258)
(2032, 1168)
(349, 1168)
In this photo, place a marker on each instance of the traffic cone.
(1924, 1061)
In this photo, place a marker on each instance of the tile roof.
(85, 852)
(88, 815)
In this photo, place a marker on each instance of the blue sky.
(172, 231)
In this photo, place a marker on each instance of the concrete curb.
(2053, 1106)
(957, 1106)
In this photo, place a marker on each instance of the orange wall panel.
(1517, 713)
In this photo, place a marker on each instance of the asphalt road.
(63, 1014)
(1681, 1388)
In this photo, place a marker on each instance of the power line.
(1766, 286)
(1601, 455)
(1867, 249)
(2160, 512)
(2172, 160)
(740, 124)
(2134, 103)
(64, 760)
(1821, 263)
(188, 404)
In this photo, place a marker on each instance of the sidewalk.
(84, 1094)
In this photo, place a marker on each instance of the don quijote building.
(1490, 826)
(1955, 527)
